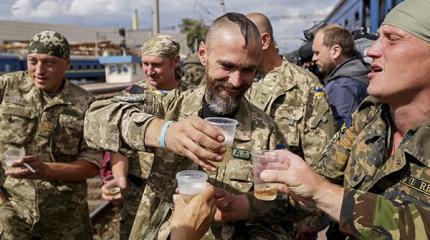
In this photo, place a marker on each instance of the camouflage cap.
(50, 42)
(161, 45)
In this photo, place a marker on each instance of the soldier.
(160, 63)
(230, 55)
(382, 161)
(294, 98)
(45, 192)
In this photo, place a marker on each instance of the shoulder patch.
(319, 92)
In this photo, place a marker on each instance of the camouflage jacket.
(295, 99)
(398, 200)
(127, 119)
(51, 128)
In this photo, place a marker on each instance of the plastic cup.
(112, 185)
(191, 183)
(227, 126)
(11, 155)
(262, 160)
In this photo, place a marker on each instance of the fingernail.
(264, 175)
(219, 157)
(221, 138)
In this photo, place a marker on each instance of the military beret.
(51, 43)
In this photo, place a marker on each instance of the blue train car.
(82, 69)
(85, 68)
(356, 14)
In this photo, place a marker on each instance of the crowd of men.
(355, 162)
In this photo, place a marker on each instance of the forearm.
(119, 165)
(74, 171)
(152, 133)
(329, 199)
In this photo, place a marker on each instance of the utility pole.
(155, 18)
(222, 3)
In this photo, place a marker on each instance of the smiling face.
(46, 71)
(230, 68)
(401, 65)
(160, 71)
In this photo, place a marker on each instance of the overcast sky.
(118, 13)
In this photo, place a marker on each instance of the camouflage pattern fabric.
(193, 73)
(127, 119)
(51, 43)
(161, 45)
(139, 166)
(357, 159)
(51, 128)
(294, 98)
(371, 216)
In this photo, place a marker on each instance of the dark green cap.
(51, 43)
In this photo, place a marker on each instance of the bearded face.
(221, 96)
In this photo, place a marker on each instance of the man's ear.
(336, 51)
(265, 40)
(202, 53)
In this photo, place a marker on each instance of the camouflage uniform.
(125, 128)
(357, 158)
(294, 98)
(51, 128)
(139, 165)
(140, 162)
(194, 72)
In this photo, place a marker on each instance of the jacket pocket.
(68, 135)
(17, 123)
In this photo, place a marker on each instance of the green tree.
(195, 31)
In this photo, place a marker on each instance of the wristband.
(163, 133)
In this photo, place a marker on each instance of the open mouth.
(375, 68)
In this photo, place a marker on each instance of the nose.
(375, 50)
(314, 57)
(149, 70)
(236, 78)
(39, 68)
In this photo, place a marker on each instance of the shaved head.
(262, 22)
(230, 23)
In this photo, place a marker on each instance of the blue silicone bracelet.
(163, 134)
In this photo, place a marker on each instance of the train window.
(125, 68)
(346, 24)
(79, 66)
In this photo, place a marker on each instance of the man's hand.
(192, 220)
(230, 207)
(29, 167)
(303, 184)
(116, 199)
(196, 139)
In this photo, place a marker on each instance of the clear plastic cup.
(262, 160)
(11, 155)
(191, 183)
(227, 126)
(112, 185)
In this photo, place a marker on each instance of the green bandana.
(51, 43)
(161, 45)
(412, 16)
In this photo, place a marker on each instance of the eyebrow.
(231, 64)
